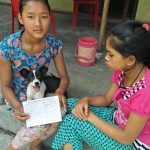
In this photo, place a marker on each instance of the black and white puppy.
(40, 84)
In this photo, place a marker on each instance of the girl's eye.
(111, 55)
(30, 17)
(44, 16)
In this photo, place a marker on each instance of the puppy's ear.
(24, 72)
(43, 70)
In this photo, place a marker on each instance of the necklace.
(137, 76)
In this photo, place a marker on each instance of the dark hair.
(131, 38)
(22, 3)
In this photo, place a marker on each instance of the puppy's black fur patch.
(52, 83)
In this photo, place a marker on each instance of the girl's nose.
(106, 58)
(37, 21)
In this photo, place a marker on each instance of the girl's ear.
(131, 60)
(20, 18)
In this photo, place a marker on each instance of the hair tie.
(146, 26)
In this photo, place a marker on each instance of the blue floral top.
(10, 49)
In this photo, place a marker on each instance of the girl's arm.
(127, 135)
(62, 72)
(81, 109)
(5, 77)
(64, 79)
(103, 100)
(7, 91)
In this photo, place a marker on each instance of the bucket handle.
(88, 59)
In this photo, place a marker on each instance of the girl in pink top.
(126, 126)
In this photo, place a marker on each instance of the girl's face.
(35, 18)
(114, 59)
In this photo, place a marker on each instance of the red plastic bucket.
(86, 50)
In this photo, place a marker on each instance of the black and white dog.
(40, 84)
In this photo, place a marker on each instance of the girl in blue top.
(30, 48)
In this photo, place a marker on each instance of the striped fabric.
(138, 145)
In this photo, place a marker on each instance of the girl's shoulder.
(9, 46)
(146, 82)
(147, 75)
(140, 101)
(11, 40)
(117, 76)
(52, 40)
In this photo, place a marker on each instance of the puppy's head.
(34, 77)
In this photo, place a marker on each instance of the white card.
(42, 111)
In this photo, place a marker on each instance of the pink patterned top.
(133, 99)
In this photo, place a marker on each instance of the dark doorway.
(116, 8)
